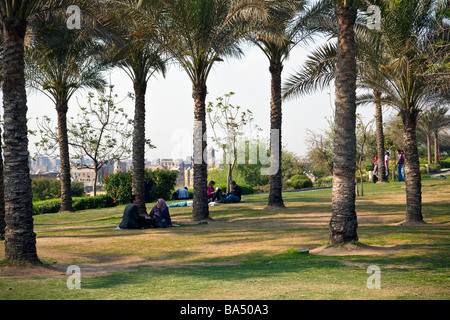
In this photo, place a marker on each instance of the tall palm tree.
(319, 71)
(20, 239)
(139, 53)
(60, 63)
(409, 32)
(288, 20)
(343, 223)
(201, 33)
(430, 123)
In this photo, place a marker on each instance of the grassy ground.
(244, 252)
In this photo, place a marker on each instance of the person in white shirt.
(386, 164)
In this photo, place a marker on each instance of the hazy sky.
(170, 106)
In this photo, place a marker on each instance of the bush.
(119, 185)
(46, 188)
(299, 181)
(445, 163)
(324, 182)
(246, 189)
(79, 203)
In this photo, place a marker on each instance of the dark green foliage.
(119, 185)
(46, 188)
(246, 189)
(300, 181)
(80, 203)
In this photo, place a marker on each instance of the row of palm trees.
(143, 36)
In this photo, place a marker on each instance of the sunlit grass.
(244, 252)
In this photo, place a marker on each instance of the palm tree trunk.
(343, 221)
(275, 193)
(2, 196)
(380, 137)
(200, 208)
(436, 148)
(66, 192)
(138, 161)
(429, 148)
(20, 240)
(412, 169)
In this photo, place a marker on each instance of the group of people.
(216, 194)
(159, 216)
(400, 166)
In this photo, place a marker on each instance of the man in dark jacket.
(131, 218)
(235, 195)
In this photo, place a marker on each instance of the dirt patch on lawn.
(353, 249)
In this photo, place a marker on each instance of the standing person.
(213, 194)
(131, 218)
(159, 215)
(375, 170)
(235, 195)
(401, 165)
(386, 165)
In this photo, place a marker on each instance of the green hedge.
(80, 203)
(119, 185)
(445, 163)
(246, 189)
(299, 181)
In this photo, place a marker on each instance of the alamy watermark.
(74, 280)
(374, 280)
(374, 20)
(74, 20)
(241, 148)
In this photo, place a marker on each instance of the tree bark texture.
(200, 202)
(436, 147)
(20, 240)
(66, 191)
(2, 196)
(380, 137)
(343, 223)
(138, 161)
(412, 169)
(275, 193)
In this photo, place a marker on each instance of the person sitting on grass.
(131, 218)
(213, 194)
(235, 195)
(159, 215)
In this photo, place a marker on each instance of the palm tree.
(409, 32)
(343, 221)
(61, 62)
(319, 71)
(430, 123)
(201, 33)
(337, 62)
(20, 239)
(288, 20)
(139, 53)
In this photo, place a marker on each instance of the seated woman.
(131, 218)
(213, 194)
(159, 215)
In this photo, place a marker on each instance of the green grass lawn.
(244, 252)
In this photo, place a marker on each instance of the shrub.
(324, 182)
(119, 185)
(299, 181)
(246, 189)
(445, 163)
(79, 203)
(47, 188)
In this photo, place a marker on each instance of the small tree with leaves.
(101, 133)
(228, 122)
